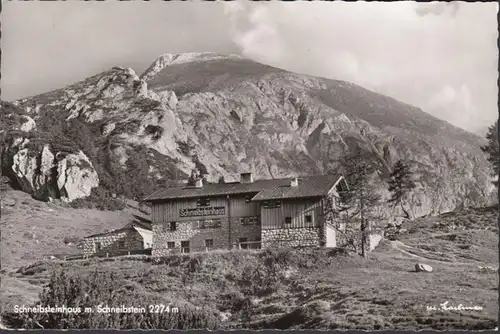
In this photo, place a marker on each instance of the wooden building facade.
(247, 214)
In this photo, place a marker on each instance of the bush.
(99, 199)
(72, 240)
(155, 130)
(105, 288)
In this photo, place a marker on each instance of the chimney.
(294, 182)
(198, 183)
(246, 178)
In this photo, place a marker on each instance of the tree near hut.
(357, 204)
(195, 175)
(492, 150)
(400, 184)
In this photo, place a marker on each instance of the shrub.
(71, 240)
(105, 288)
(99, 199)
(154, 130)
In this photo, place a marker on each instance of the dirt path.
(398, 245)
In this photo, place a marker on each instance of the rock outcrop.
(75, 177)
(46, 175)
(230, 115)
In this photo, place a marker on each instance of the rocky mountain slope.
(228, 115)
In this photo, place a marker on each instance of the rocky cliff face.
(232, 115)
(42, 171)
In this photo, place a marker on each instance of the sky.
(439, 56)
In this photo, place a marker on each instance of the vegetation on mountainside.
(400, 184)
(70, 136)
(492, 150)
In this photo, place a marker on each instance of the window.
(121, 244)
(173, 226)
(243, 244)
(271, 204)
(309, 219)
(210, 223)
(288, 220)
(255, 245)
(204, 201)
(170, 244)
(254, 220)
(98, 246)
(209, 244)
(184, 246)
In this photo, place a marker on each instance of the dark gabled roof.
(310, 186)
(141, 222)
(109, 232)
(137, 222)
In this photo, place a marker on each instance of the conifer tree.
(358, 203)
(400, 184)
(492, 149)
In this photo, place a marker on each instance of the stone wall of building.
(113, 241)
(224, 236)
(293, 237)
(189, 231)
(244, 228)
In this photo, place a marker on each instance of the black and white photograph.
(251, 165)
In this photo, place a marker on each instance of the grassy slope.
(311, 290)
(33, 230)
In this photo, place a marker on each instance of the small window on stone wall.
(173, 226)
(170, 244)
(184, 246)
(121, 244)
(209, 244)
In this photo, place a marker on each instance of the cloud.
(438, 8)
(428, 55)
(403, 49)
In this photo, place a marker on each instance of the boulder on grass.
(420, 267)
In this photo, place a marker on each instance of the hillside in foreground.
(308, 289)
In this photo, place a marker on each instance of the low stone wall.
(292, 237)
(111, 242)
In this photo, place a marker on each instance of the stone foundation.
(224, 237)
(293, 237)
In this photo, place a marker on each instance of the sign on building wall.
(208, 211)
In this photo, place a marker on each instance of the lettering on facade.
(208, 211)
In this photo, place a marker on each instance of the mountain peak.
(169, 59)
